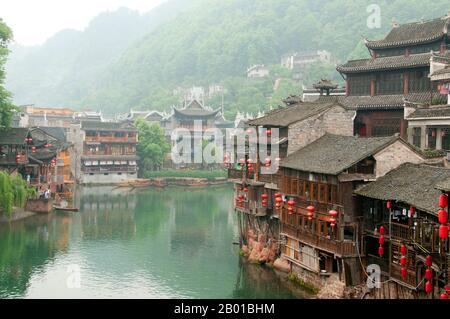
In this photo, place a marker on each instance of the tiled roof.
(287, 115)
(392, 101)
(332, 154)
(110, 157)
(411, 184)
(106, 126)
(56, 132)
(13, 136)
(431, 112)
(385, 63)
(413, 33)
(196, 112)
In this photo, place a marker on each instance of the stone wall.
(111, 178)
(335, 120)
(393, 156)
(39, 205)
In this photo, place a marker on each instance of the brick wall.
(335, 120)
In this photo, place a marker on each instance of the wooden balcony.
(108, 169)
(339, 248)
(110, 139)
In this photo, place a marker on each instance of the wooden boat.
(136, 183)
(65, 209)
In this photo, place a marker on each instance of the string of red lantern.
(381, 242)
(291, 204)
(278, 200)
(429, 275)
(403, 262)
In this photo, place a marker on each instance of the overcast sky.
(34, 21)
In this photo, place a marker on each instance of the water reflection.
(139, 244)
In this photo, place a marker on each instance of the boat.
(65, 209)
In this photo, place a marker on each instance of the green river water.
(171, 243)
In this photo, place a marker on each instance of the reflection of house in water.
(107, 212)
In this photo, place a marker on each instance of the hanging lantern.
(30, 139)
(443, 201)
(381, 251)
(412, 211)
(290, 210)
(443, 232)
(429, 274)
(33, 149)
(333, 225)
(381, 240)
(403, 250)
(333, 213)
(403, 261)
(268, 162)
(333, 220)
(277, 206)
(291, 202)
(389, 204)
(310, 209)
(278, 200)
(264, 196)
(443, 216)
(269, 132)
(429, 261)
(444, 296)
(277, 195)
(245, 189)
(404, 273)
(382, 230)
(428, 287)
(264, 203)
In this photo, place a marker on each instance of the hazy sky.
(34, 21)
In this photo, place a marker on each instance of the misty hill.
(210, 41)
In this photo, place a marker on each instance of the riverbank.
(17, 214)
(173, 181)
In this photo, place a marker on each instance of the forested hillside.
(211, 41)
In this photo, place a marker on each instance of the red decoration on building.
(404, 273)
(412, 211)
(268, 162)
(428, 287)
(269, 132)
(443, 216)
(381, 240)
(333, 213)
(444, 296)
(443, 232)
(389, 205)
(403, 261)
(382, 230)
(381, 251)
(403, 250)
(429, 261)
(310, 209)
(443, 201)
(429, 274)
(264, 196)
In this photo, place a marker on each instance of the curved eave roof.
(195, 113)
(386, 63)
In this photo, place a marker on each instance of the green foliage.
(152, 146)
(301, 283)
(209, 41)
(6, 107)
(14, 191)
(187, 173)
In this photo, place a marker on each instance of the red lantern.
(429, 261)
(291, 202)
(447, 289)
(443, 216)
(443, 232)
(443, 201)
(310, 209)
(278, 200)
(33, 149)
(381, 240)
(333, 213)
(264, 196)
(264, 202)
(333, 225)
(381, 251)
(382, 230)
(269, 132)
(268, 162)
(444, 296)
(277, 206)
(278, 195)
(412, 211)
(429, 274)
(403, 261)
(428, 287)
(310, 215)
(403, 250)
(404, 273)
(290, 209)
(333, 220)
(389, 205)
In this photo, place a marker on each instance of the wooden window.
(323, 190)
(332, 194)
(431, 138)
(301, 189)
(359, 84)
(419, 81)
(389, 83)
(417, 136)
(314, 191)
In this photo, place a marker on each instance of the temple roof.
(386, 63)
(287, 115)
(413, 34)
(325, 84)
(332, 154)
(412, 184)
(195, 109)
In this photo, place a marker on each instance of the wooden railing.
(96, 169)
(111, 139)
(342, 248)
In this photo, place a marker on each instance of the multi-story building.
(108, 152)
(398, 70)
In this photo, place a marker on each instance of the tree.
(6, 107)
(152, 146)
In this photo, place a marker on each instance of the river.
(147, 243)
